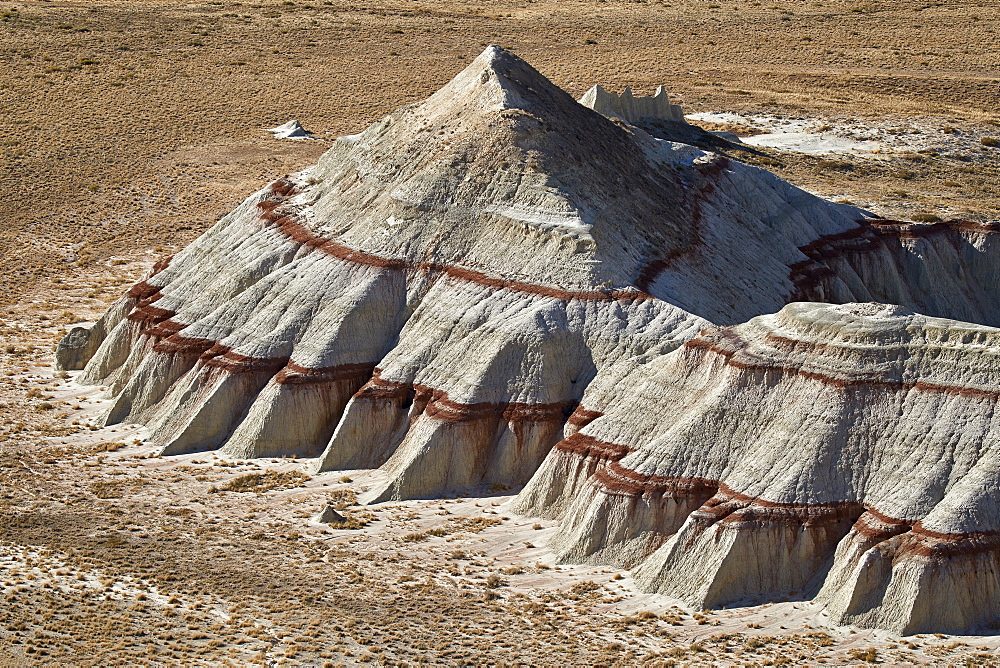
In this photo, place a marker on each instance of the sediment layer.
(846, 454)
(486, 253)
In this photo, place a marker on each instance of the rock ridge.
(779, 468)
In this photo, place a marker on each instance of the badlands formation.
(500, 269)
(845, 452)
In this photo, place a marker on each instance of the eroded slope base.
(842, 453)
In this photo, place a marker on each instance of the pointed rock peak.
(329, 515)
(495, 57)
(497, 79)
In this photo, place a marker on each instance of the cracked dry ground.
(111, 555)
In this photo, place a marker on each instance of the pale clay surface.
(497, 250)
(859, 433)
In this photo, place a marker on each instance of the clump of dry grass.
(113, 489)
(868, 654)
(343, 498)
(354, 520)
(264, 482)
(106, 446)
(476, 524)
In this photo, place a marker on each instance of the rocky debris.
(434, 297)
(842, 453)
(290, 130)
(74, 350)
(630, 108)
(329, 515)
(874, 139)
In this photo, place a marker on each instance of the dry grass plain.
(127, 128)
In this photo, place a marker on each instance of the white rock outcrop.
(434, 296)
(290, 130)
(845, 453)
(630, 108)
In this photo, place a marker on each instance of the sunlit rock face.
(437, 293)
(844, 453)
(630, 108)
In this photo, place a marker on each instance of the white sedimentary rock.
(848, 453)
(630, 108)
(290, 130)
(329, 515)
(434, 296)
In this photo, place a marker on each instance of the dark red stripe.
(295, 374)
(289, 225)
(728, 344)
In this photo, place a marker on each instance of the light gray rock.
(290, 130)
(74, 350)
(728, 136)
(329, 515)
(630, 108)
(846, 453)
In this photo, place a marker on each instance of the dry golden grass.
(264, 482)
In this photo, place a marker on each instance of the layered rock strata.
(843, 453)
(434, 296)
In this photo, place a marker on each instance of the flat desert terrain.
(128, 128)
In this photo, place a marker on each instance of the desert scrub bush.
(644, 616)
(424, 535)
(476, 524)
(818, 639)
(416, 537)
(263, 482)
(342, 498)
(672, 618)
(179, 512)
(112, 489)
(494, 580)
(834, 165)
(763, 160)
(926, 218)
(868, 654)
(585, 587)
(105, 446)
